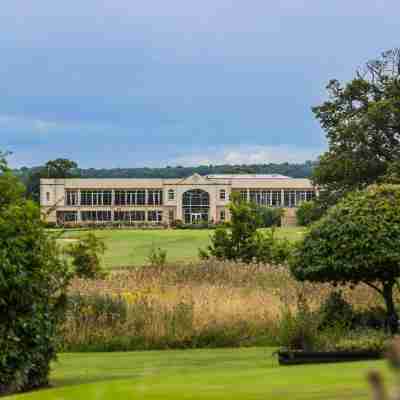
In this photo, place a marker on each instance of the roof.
(235, 181)
(248, 176)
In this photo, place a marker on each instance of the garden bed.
(287, 357)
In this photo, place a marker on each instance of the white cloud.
(247, 155)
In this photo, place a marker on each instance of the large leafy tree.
(33, 281)
(361, 119)
(60, 168)
(357, 241)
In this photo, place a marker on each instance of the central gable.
(195, 179)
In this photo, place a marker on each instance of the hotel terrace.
(154, 201)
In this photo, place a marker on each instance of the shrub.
(308, 212)
(298, 330)
(157, 256)
(270, 217)
(86, 256)
(335, 309)
(33, 284)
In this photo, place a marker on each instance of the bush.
(86, 256)
(298, 330)
(32, 286)
(270, 217)
(308, 212)
(157, 257)
(336, 309)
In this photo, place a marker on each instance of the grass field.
(201, 374)
(132, 247)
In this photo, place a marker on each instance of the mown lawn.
(132, 247)
(225, 374)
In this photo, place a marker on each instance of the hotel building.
(154, 201)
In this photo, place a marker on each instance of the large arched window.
(196, 205)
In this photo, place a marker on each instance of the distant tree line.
(62, 168)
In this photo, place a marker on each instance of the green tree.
(241, 240)
(60, 168)
(362, 124)
(33, 282)
(86, 256)
(357, 241)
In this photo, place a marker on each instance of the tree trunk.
(392, 317)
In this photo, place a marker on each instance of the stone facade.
(193, 199)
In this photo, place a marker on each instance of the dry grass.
(209, 303)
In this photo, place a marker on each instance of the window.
(276, 198)
(96, 216)
(290, 198)
(154, 216)
(171, 194)
(154, 197)
(195, 206)
(96, 197)
(222, 194)
(48, 196)
(66, 216)
(243, 195)
(71, 198)
(304, 195)
(222, 215)
(129, 216)
(260, 197)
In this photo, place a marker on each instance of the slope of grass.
(131, 247)
(200, 374)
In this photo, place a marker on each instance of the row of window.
(106, 215)
(122, 197)
(273, 198)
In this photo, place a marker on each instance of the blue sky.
(122, 83)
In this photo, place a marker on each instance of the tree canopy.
(361, 119)
(356, 241)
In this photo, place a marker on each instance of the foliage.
(60, 168)
(157, 256)
(86, 256)
(357, 241)
(33, 281)
(11, 189)
(270, 217)
(309, 212)
(336, 309)
(367, 340)
(298, 330)
(362, 124)
(240, 239)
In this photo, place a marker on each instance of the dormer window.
(171, 194)
(222, 194)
